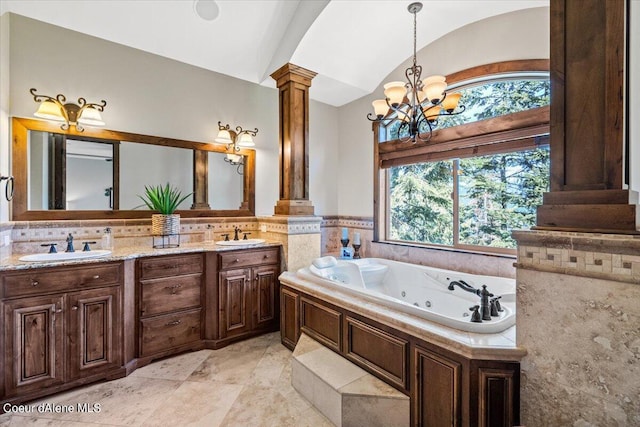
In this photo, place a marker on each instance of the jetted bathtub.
(417, 290)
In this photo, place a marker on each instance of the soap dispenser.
(107, 239)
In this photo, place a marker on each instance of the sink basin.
(64, 256)
(248, 242)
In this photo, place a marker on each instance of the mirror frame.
(20, 128)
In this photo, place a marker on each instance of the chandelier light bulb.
(395, 92)
(451, 102)
(380, 107)
(49, 110)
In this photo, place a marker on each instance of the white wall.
(152, 95)
(517, 35)
(324, 155)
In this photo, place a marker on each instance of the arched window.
(483, 173)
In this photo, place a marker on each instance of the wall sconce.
(235, 140)
(58, 109)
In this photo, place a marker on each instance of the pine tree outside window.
(474, 193)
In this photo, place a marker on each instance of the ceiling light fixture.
(235, 140)
(418, 103)
(59, 110)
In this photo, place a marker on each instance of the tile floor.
(244, 384)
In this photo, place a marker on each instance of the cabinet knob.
(34, 283)
(97, 276)
(265, 257)
(74, 307)
(174, 323)
(237, 260)
(59, 310)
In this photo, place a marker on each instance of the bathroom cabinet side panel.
(211, 299)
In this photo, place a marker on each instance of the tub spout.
(464, 286)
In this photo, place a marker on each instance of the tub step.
(344, 393)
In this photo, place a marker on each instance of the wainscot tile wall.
(578, 304)
(27, 236)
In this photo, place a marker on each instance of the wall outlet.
(6, 241)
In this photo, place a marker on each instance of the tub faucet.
(70, 243)
(236, 230)
(464, 286)
(485, 307)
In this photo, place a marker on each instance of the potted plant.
(165, 200)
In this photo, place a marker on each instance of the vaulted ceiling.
(352, 44)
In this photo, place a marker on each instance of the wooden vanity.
(74, 324)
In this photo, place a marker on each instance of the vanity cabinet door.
(264, 299)
(437, 389)
(94, 338)
(33, 353)
(235, 302)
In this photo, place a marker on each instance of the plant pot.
(165, 225)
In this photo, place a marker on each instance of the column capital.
(293, 73)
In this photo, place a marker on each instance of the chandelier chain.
(415, 13)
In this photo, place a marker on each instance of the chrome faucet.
(70, 243)
(236, 230)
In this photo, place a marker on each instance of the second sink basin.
(64, 256)
(247, 242)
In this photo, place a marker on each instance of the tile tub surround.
(251, 390)
(578, 320)
(604, 256)
(448, 259)
(344, 393)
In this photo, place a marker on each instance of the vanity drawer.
(170, 294)
(172, 330)
(42, 280)
(173, 265)
(246, 258)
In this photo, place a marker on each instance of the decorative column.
(293, 83)
(587, 120)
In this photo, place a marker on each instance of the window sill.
(512, 256)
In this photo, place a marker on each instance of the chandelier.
(58, 109)
(418, 103)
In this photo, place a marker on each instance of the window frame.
(507, 133)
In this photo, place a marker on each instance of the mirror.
(69, 174)
(225, 186)
(161, 165)
(100, 173)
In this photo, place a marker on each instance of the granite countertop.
(124, 253)
(498, 346)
